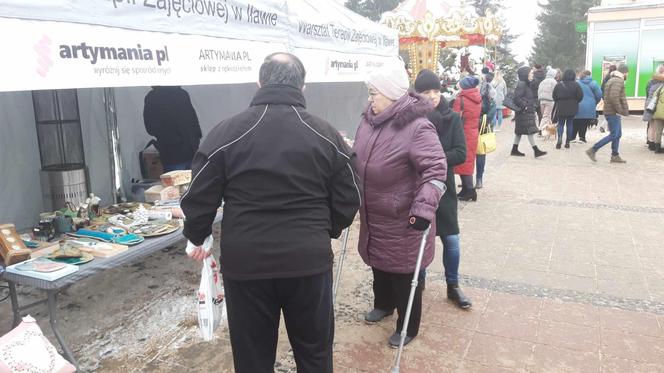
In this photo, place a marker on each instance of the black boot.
(515, 151)
(458, 297)
(659, 149)
(652, 146)
(538, 153)
(467, 195)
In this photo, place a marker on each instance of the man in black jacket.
(288, 186)
(170, 117)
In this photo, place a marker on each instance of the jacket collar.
(279, 94)
(402, 112)
(618, 74)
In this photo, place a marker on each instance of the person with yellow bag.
(487, 119)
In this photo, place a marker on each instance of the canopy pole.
(114, 145)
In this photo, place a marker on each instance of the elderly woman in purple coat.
(402, 170)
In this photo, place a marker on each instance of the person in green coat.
(450, 132)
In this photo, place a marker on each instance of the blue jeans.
(481, 163)
(615, 133)
(565, 123)
(499, 118)
(451, 258)
(177, 166)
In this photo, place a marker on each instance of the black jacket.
(286, 179)
(450, 133)
(538, 77)
(567, 94)
(525, 119)
(170, 117)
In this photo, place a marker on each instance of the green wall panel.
(652, 53)
(623, 43)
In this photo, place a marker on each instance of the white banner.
(320, 24)
(57, 55)
(338, 67)
(54, 55)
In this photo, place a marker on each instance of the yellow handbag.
(487, 139)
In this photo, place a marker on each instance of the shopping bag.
(659, 106)
(487, 140)
(210, 294)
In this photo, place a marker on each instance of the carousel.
(427, 26)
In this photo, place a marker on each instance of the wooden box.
(176, 178)
(160, 193)
(12, 248)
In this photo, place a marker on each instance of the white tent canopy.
(117, 43)
(111, 51)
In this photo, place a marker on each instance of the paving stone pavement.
(563, 259)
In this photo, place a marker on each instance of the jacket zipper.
(364, 184)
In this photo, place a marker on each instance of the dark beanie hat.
(469, 82)
(426, 80)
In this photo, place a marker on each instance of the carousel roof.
(444, 21)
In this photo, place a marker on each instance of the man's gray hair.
(623, 68)
(282, 68)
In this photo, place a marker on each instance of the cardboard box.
(161, 193)
(176, 178)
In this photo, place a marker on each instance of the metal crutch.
(341, 263)
(411, 297)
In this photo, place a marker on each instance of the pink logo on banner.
(43, 49)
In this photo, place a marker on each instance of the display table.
(93, 268)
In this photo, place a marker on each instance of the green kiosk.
(630, 32)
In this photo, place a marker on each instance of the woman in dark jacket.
(450, 132)
(526, 117)
(567, 94)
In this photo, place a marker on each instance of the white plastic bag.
(210, 294)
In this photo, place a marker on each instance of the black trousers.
(391, 290)
(580, 128)
(254, 309)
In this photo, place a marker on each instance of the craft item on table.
(94, 204)
(176, 178)
(153, 230)
(142, 214)
(99, 249)
(69, 210)
(167, 203)
(45, 230)
(44, 249)
(84, 258)
(126, 222)
(26, 349)
(12, 248)
(62, 224)
(42, 268)
(160, 193)
(28, 242)
(65, 252)
(127, 239)
(122, 208)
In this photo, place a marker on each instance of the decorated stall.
(74, 77)
(425, 27)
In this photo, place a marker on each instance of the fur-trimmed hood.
(658, 77)
(402, 112)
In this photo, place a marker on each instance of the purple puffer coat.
(402, 168)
